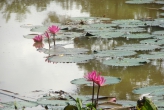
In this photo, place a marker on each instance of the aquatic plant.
(38, 38)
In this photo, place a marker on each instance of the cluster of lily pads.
(150, 41)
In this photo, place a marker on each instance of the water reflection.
(48, 11)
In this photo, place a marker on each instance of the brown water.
(23, 69)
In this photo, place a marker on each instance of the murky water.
(23, 69)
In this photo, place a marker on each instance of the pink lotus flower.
(99, 80)
(91, 76)
(38, 38)
(53, 29)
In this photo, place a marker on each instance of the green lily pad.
(126, 30)
(153, 55)
(88, 18)
(137, 47)
(158, 33)
(139, 1)
(158, 37)
(109, 80)
(98, 30)
(40, 29)
(127, 26)
(63, 51)
(126, 103)
(147, 90)
(19, 105)
(63, 35)
(70, 58)
(159, 2)
(136, 36)
(30, 36)
(114, 53)
(103, 25)
(158, 92)
(107, 34)
(153, 41)
(127, 21)
(161, 14)
(126, 62)
(151, 23)
(29, 26)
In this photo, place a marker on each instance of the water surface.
(23, 69)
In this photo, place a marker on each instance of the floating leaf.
(136, 36)
(153, 41)
(70, 58)
(107, 34)
(114, 53)
(63, 35)
(158, 33)
(29, 26)
(158, 92)
(126, 103)
(98, 30)
(103, 25)
(39, 29)
(162, 14)
(159, 2)
(137, 47)
(139, 1)
(109, 80)
(126, 62)
(126, 21)
(63, 51)
(126, 30)
(153, 55)
(88, 18)
(30, 36)
(147, 90)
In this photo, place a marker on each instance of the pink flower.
(38, 38)
(90, 76)
(53, 29)
(99, 80)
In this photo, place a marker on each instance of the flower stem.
(97, 95)
(54, 39)
(93, 92)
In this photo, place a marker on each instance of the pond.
(23, 69)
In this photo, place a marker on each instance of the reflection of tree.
(15, 7)
(52, 17)
(115, 9)
(20, 7)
